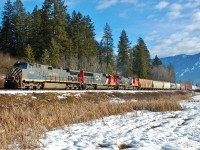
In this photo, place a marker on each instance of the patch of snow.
(177, 130)
(63, 96)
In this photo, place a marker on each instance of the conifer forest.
(51, 35)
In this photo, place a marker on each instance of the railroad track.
(3, 91)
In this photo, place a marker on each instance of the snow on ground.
(141, 130)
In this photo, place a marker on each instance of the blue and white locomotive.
(26, 75)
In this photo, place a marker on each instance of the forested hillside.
(52, 36)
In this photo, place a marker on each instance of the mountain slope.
(186, 67)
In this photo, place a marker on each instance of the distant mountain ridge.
(186, 67)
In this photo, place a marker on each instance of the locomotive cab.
(12, 80)
(15, 75)
(20, 65)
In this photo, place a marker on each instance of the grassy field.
(25, 118)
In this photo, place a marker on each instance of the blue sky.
(168, 27)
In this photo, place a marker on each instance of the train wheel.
(95, 87)
(15, 85)
(83, 86)
(116, 87)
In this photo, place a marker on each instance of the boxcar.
(146, 84)
(178, 86)
(173, 86)
(158, 85)
(182, 86)
(166, 85)
(188, 86)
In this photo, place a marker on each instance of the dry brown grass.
(24, 119)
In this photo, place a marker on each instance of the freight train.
(25, 75)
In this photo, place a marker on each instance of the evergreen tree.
(123, 54)
(54, 25)
(76, 29)
(107, 42)
(54, 53)
(82, 34)
(46, 24)
(156, 61)
(7, 34)
(143, 59)
(60, 27)
(29, 56)
(99, 48)
(134, 61)
(89, 48)
(35, 37)
(45, 59)
(19, 17)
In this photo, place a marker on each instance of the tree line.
(52, 36)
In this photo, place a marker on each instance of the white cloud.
(176, 7)
(193, 4)
(196, 16)
(103, 4)
(162, 5)
(129, 1)
(174, 14)
(182, 35)
(181, 42)
(175, 11)
(71, 3)
(124, 14)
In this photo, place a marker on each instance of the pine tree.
(100, 55)
(134, 61)
(7, 34)
(19, 17)
(123, 54)
(46, 24)
(60, 27)
(82, 35)
(45, 59)
(156, 61)
(76, 29)
(143, 63)
(35, 37)
(29, 56)
(54, 53)
(107, 42)
(89, 48)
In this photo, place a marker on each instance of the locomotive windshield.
(20, 65)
